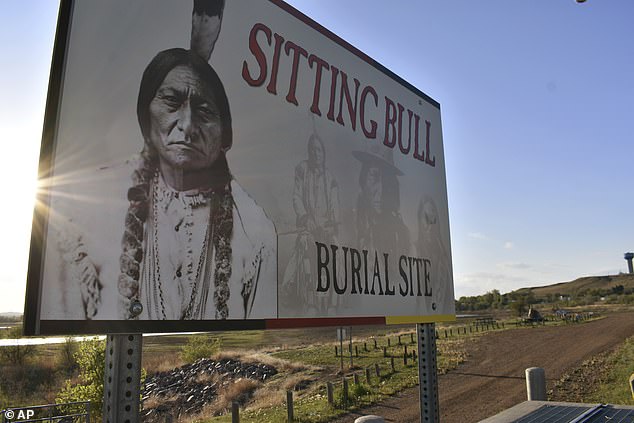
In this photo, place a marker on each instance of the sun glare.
(19, 190)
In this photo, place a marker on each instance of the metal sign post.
(350, 347)
(122, 384)
(341, 333)
(427, 372)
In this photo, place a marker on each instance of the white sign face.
(233, 167)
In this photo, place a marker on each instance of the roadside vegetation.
(587, 291)
(602, 379)
(306, 362)
(30, 375)
(320, 365)
(614, 388)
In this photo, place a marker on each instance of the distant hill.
(589, 283)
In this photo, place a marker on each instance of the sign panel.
(209, 166)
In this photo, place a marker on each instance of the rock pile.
(186, 389)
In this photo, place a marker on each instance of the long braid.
(139, 194)
(132, 242)
(222, 223)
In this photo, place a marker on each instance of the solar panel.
(561, 412)
(612, 414)
(553, 414)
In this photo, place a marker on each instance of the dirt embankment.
(492, 378)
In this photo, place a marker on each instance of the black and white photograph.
(218, 160)
(193, 244)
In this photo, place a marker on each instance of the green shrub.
(359, 391)
(91, 359)
(66, 355)
(199, 346)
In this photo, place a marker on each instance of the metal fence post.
(427, 373)
(345, 392)
(122, 385)
(341, 346)
(351, 365)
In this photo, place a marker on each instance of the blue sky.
(536, 99)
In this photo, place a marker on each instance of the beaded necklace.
(193, 280)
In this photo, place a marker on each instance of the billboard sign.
(223, 166)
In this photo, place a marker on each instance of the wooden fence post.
(235, 412)
(377, 370)
(355, 376)
(345, 392)
(392, 363)
(367, 376)
(330, 393)
(289, 405)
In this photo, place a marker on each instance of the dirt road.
(492, 378)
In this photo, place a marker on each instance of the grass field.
(322, 366)
(620, 366)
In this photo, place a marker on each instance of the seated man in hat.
(378, 219)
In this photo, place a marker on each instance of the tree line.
(519, 301)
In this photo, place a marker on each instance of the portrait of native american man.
(193, 244)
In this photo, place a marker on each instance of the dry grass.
(267, 396)
(291, 382)
(282, 366)
(208, 378)
(240, 391)
(156, 400)
(161, 363)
